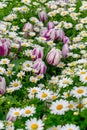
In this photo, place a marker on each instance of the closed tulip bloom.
(28, 27)
(50, 34)
(43, 16)
(2, 85)
(37, 52)
(66, 40)
(50, 25)
(60, 34)
(54, 56)
(10, 116)
(43, 32)
(4, 46)
(39, 66)
(65, 50)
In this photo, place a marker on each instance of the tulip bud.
(2, 85)
(50, 25)
(65, 40)
(10, 116)
(50, 34)
(4, 46)
(42, 32)
(43, 16)
(65, 50)
(60, 34)
(37, 53)
(54, 57)
(28, 27)
(39, 66)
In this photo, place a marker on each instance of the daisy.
(55, 128)
(83, 78)
(16, 84)
(81, 72)
(44, 94)
(78, 92)
(28, 111)
(65, 82)
(59, 107)
(72, 105)
(27, 66)
(10, 126)
(27, 2)
(70, 127)
(33, 79)
(20, 74)
(17, 112)
(5, 61)
(1, 125)
(2, 70)
(34, 124)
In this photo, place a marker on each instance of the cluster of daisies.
(43, 65)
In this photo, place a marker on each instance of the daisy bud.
(4, 46)
(10, 116)
(50, 25)
(43, 16)
(2, 85)
(37, 52)
(39, 66)
(60, 34)
(54, 57)
(65, 50)
(50, 34)
(65, 40)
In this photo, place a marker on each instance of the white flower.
(59, 107)
(20, 74)
(5, 61)
(44, 95)
(1, 125)
(17, 112)
(27, 2)
(55, 128)
(83, 78)
(28, 111)
(33, 79)
(78, 92)
(2, 70)
(16, 84)
(70, 127)
(34, 124)
(65, 82)
(79, 26)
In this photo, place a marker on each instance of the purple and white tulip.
(28, 27)
(39, 66)
(65, 50)
(66, 40)
(50, 25)
(2, 85)
(50, 34)
(43, 16)
(10, 116)
(54, 57)
(4, 46)
(43, 32)
(60, 34)
(37, 52)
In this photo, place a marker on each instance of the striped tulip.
(10, 116)
(43, 16)
(65, 40)
(65, 50)
(2, 85)
(37, 52)
(50, 34)
(54, 57)
(60, 34)
(50, 25)
(39, 66)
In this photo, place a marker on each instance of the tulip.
(50, 25)
(39, 66)
(37, 52)
(50, 34)
(65, 50)
(2, 85)
(10, 116)
(43, 32)
(60, 34)
(43, 16)
(54, 56)
(28, 27)
(4, 46)
(65, 40)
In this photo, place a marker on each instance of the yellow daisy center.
(80, 91)
(83, 72)
(16, 113)
(59, 107)
(54, 97)
(44, 95)
(27, 111)
(70, 106)
(86, 78)
(34, 126)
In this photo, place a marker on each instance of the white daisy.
(34, 124)
(2, 70)
(17, 112)
(64, 82)
(78, 92)
(16, 84)
(70, 127)
(5, 61)
(83, 78)
(28, 111)
(1, 125)
(59, 107)
(55, 128)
